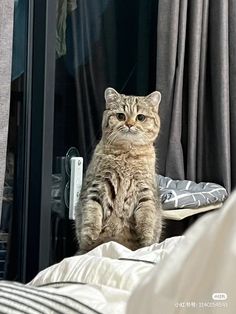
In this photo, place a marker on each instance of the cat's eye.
(121, 116)
(141, 117)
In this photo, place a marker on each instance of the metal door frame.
(38, 117)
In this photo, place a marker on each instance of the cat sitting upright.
(119, 199)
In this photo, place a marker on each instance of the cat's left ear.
(155, 99)
(111, 96)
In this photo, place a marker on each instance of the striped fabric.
(188, 194)
(16, 298)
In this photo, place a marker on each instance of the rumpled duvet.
(100, 281)
(194, 273)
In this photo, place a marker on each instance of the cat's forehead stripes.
(130, 104)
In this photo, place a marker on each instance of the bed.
(194, 273)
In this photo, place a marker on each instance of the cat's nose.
(129, 123)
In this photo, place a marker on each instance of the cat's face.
(130, 119)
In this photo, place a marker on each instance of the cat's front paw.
(90, 234)
(89, 238)
(146, 242)
(147, 239)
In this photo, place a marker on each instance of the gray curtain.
(196, 73)
(6, 32)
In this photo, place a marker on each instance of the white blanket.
(191, 274)
(110, 273)
(200, 274)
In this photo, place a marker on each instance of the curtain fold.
(6, 34)
(195, 74)
(169, 76)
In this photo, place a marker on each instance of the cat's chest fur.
(120, 178)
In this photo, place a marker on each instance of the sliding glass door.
(71, 51)
(32, 104)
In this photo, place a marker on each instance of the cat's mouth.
(129, 131)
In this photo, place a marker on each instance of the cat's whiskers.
(111, 138)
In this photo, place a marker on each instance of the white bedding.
(200, 275)
(110, 272)
(191, 274)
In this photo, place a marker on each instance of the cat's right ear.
(155, 99)
(111, 95)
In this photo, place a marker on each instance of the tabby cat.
(119, 199)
